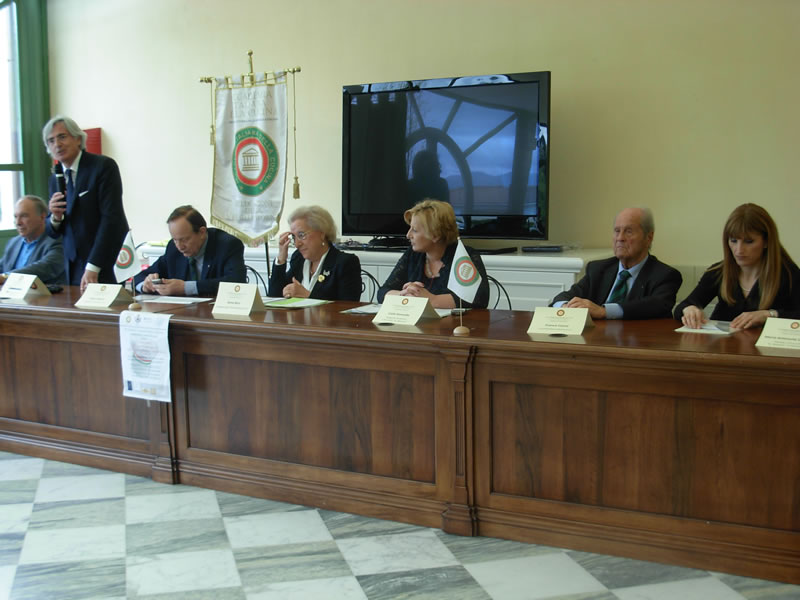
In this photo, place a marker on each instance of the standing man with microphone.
(85, 204)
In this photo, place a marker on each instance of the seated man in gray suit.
(33, 251)
(633, 284)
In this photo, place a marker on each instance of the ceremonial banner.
(249, 156)
(127, 264)
(464, 277)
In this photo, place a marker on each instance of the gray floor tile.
(481, 549)
(135, 486)
(215, 594)
(148, 539)
(446, 583)
(78, 513)
(10, 547)
(615, 572)
(758, 589)
(61, 469)
(344, 525)
(233, 505)
(70, 581)
(589, 596)
(293, 562)
(18, 491)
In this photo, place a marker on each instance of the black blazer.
(786, 302)
(222, 261)
(341, 272)
(652, 296)
(411, 267)
(94, 225)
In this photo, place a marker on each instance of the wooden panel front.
(307, 407)
(645, 453)
(72, 385)
(657, 454)
(355, 420)
(62, 391)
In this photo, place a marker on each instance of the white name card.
(404, 310)
(238, 299)
(103, 295)
(20, 285)
(560, 321)
(780, 333)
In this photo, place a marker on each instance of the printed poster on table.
(144, 349)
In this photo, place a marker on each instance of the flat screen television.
(481, 143)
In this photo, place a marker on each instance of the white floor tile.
(534, 577)
(341, 588)
(6, 581)
(707, 588)
(82, 487)
(276, 528)
(80, 543)
(181, 572)
(200, 504)
(21, 468)
(393, 553)
(15, 518)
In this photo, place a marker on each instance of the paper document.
(293, 302)
(141, 298)
(367, 309)
(372, 309)
(710, 328)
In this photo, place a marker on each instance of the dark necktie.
(193, 270)
(621, 289)
(69, 241)
(70, 190)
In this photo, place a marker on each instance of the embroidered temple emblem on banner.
(255, 161)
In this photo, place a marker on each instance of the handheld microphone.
(61, 182)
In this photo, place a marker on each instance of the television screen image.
(480, 143)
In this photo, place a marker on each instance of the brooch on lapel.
(322, 277)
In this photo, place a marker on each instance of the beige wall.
(689, 106)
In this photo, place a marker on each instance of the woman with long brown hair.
(755, 280)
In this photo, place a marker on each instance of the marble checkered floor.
(73, 532)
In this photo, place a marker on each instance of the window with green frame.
(24, 103)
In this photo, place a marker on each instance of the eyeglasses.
(61, 137)
(300, 235)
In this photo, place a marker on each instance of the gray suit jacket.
(46, 262)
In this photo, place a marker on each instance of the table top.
(491, 329)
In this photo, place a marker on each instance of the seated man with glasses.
(196, 259)
(317, 268)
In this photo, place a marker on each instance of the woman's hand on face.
(284, 241)
(746, 320)
(693, 317)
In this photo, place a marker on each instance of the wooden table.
(682, 448)
(62, 390)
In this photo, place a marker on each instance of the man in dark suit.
(89, 217)
(632, 285)
(196, 259)
(33, 251)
